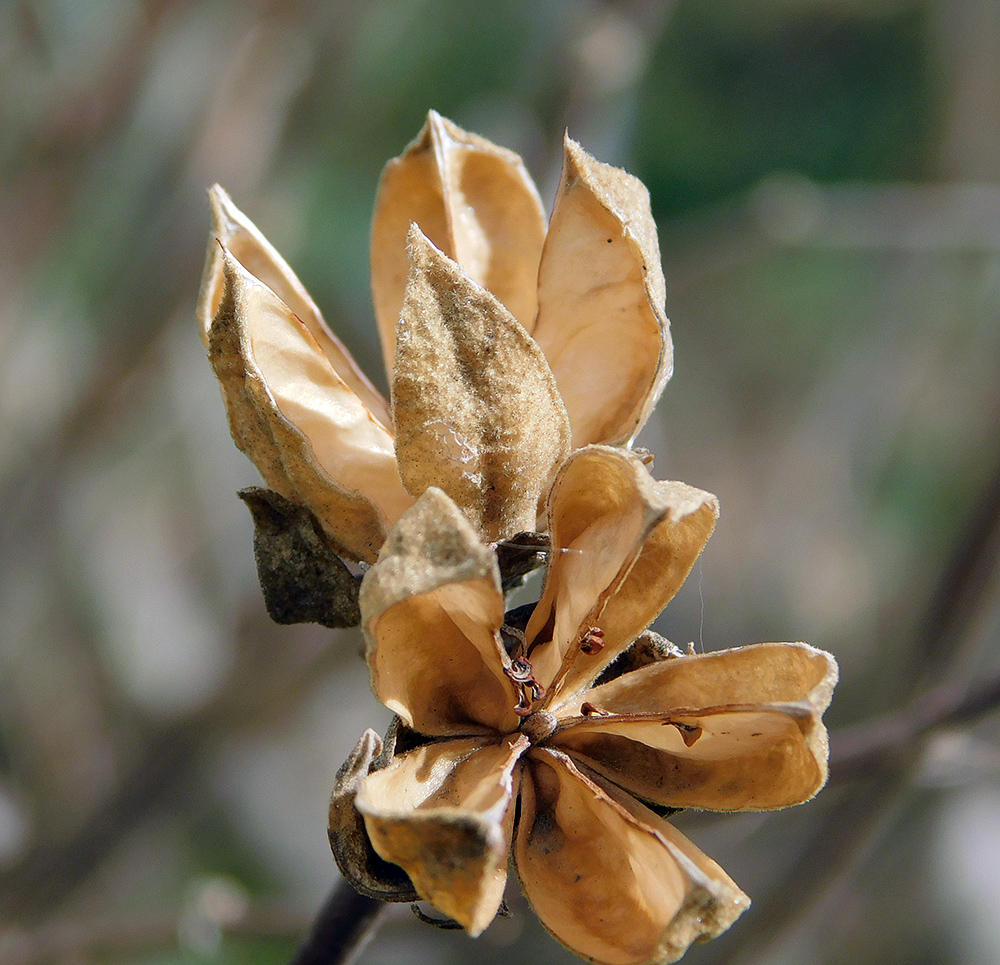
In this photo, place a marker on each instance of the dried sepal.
(234, 231)
(476, 409)
(477, 204)
(622, 545)
(303, 580)
(312, 438)
(431, 609)
(732, 730)
(444, 812)
(359, 863)
(601, 293)
(608, 877)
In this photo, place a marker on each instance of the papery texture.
(475, 202)
(623, 545)
(476, 408)
(311, 436)
(236, 233)
(369, 873)
(445, 812)
(610, 879)
(732, 730)
(432, 611)
(578, 762)
(601, 319)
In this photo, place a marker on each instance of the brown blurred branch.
(883, 752)
(165, 767)
(867, 749)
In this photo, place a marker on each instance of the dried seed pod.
(601, 298)
(592, 770)
(475, 202)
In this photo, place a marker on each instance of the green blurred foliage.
(738, 90)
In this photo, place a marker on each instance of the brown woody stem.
(342, 928)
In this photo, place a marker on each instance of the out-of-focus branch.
(166, 763)
(885, 750)
(84, 939)
(965, 582)
(867, 749)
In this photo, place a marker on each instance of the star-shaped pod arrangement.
(508, 341)
(527, 744)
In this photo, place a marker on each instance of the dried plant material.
(622, 546)
(313, 438)
(434, 602)
(446, 811)
(475, 202)
(237, 234)
(476, 409)
(649, 647)
(481, 408)
(731, 730)
(520, 555)
(601, 301)
(594, 273)
(608, 877)
(358, 862)
(303, 580)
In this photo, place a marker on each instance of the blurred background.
(826, 177)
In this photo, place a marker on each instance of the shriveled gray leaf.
(303, 579)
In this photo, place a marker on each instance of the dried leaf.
(476, 409)
(601, 320)
(477, 204)
(303, 580)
